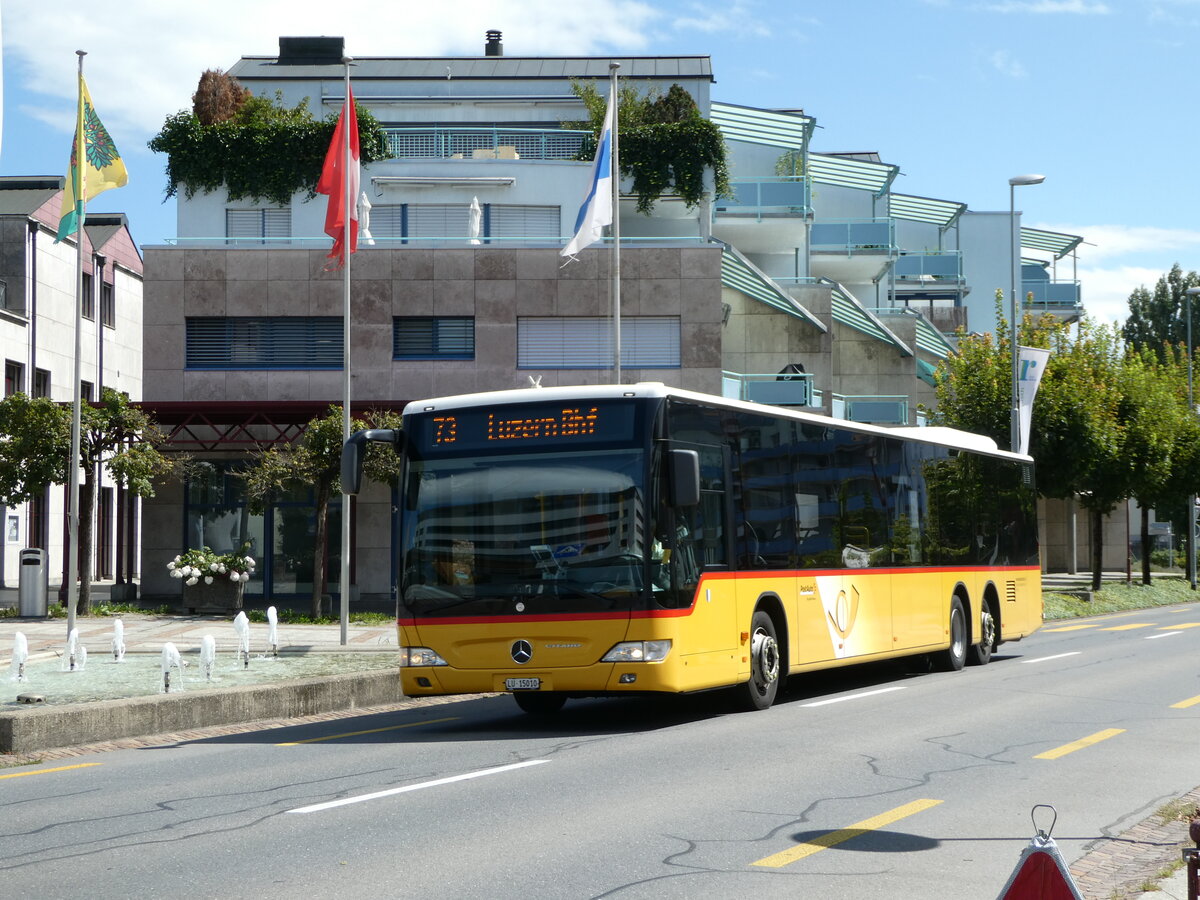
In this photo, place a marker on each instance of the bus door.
(696, 543)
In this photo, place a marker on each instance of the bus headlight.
(419, 656)
(638, 651)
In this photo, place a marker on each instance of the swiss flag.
(343, 200)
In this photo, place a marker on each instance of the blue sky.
(1097, 95)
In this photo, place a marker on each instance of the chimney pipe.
(493, 47)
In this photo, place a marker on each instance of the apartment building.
(798, 289)
(37, 341)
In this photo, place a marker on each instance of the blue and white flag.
(597, 211)
(1031, 363)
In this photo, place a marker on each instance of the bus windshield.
(527, 533)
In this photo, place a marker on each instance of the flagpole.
(344, 579)
(80, 190)
(616, 226)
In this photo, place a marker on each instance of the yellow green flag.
(102, 167)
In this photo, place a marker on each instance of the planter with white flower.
(212, 582)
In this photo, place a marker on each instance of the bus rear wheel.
(540, 703)
(759, 692)
(953, 657)
(981, 654)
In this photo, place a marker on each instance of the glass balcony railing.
(771, 388)
(851, 236)
(1051, 295)
(929, 267)
(484, 143)
(877, 409)
(759, 197)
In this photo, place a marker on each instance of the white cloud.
(1112, 241)
(1006, 65)
(737, 19)
(1105, 292)
(144, 64)
(1050, 7)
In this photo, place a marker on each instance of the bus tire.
(955, 656)
(759, 692)
(981, 654)
(540, 703)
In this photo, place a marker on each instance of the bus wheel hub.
(764, 654)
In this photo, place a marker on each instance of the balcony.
(852, 251)
(771, 388)
(760, 198)
(931, 270)
(875, 409)
(484, 143)
(1042, 293)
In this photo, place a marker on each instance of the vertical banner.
(1030, 365)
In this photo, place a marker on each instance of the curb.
(36, 728)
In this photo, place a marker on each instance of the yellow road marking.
(334, 737)
(1180, 625)
(833, 838)
(1129, 627)
(1081, 743)
(1072, 627)
(1184, 704)
(48, 771)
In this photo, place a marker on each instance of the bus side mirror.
(685, 477)
(354, 451)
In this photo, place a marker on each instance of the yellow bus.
(603, 540)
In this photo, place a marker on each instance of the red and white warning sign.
(1041, 872)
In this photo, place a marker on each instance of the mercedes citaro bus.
(602, 540)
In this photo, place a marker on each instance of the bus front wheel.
(539, 703)
(953, 657)
(759, 692)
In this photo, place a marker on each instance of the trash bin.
(32, 583)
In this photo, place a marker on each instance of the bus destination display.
(510, 425)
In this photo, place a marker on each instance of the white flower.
(208, 579)
(245, 576)
(176, 573)
(221, 570)
(191, 580)
(233, 576)
(171, 565)
(176, 558)
(250, 561)
(213, 567)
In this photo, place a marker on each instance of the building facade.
(38, 293)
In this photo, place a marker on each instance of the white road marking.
(1151, 637)
(346, 801)
(1056, 656)
(853, 696)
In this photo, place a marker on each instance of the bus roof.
(940, 435)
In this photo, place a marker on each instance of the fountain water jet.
(242, 626)
(208, 656)
(171, 659)
(118, 642)
(75, 656)
(273, 630)
(20, 653)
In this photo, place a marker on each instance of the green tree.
(1158, 439)
(1159, 318)
(315, 460)
(35, 444)
(1075, 436)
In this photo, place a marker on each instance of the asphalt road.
(871, 782)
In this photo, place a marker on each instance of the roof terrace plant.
(256, 148)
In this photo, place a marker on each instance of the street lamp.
(1015, 412)
(1191, 516)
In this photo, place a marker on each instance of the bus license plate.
(522, 684)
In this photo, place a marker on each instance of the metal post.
(1191, 516)
(76, 411)
(616, 225)
(344, 573)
